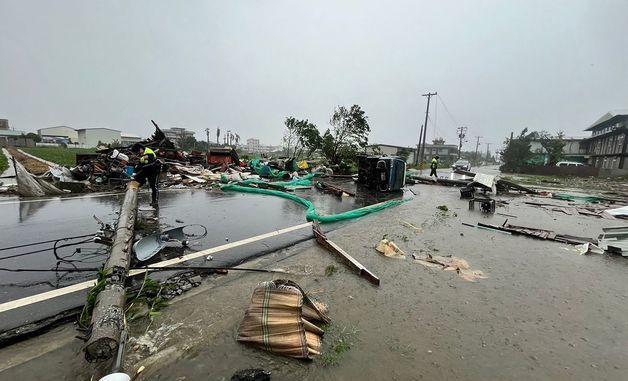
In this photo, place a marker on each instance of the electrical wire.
(42, 242)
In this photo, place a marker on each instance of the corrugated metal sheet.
(614, 240)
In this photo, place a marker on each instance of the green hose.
(311, 214)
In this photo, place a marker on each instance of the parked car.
(569, 164)
(462, 164)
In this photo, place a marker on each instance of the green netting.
(573, 197)
(311, 214)
(266, 171)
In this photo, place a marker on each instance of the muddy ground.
(35, 167)
(544, 312)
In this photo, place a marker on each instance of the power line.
(447, 110)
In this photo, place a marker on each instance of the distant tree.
(517, 151)
(187, 143)
(36, 138)
(553, 146)
(404, 153)
(438, 141)
(300, 135)
(349, 132)
(115, 144)
(377, 150)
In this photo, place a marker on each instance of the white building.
(175, 134)
(89, 137)
(252, 145)
(59, 132)
(127, 139)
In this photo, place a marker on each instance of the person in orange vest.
(148, 169)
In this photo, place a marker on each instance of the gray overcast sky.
(498, 66)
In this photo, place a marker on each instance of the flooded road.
(229, 216)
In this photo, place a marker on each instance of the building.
(4, 124)
(575, 149)
(606, 148)
(176, 134)
(59, 133)
(252, 146)
(446, 152)
(91, 137)
(12, 138)
(127, 139)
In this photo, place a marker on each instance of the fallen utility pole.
(107, 322)
(349, 260)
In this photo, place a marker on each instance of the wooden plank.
(344, 256)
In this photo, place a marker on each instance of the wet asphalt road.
(544, 312)
(229, 217)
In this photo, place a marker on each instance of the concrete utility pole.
(462, 132)
(487, 152)
(418, 147)
(427, 111)
(477, 145)
(108, 315)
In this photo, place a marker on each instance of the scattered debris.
(588, 247)
(416, 229)
(444, 208)
(390, 249)
(450, 263)
(619, 212)
(279, 320)
(487, 205)
(537, 233)
(614, 240)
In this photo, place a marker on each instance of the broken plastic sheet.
(29, 185)
(618, 212)
(451, 263)
(311, 214)
(279, 320)
(149, 246)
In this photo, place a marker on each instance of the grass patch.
(4, 163)
(341, 341)
(61, 156)
(330, 270)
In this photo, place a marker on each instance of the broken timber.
(107, 321)
(336, 190)
(348, 259)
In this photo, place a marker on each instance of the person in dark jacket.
(148, 169)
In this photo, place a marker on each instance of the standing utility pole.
(462, 132)
(418, 147)
(427, 111)
(487, 153)
(477, 145)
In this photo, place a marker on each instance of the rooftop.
(607, 117)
